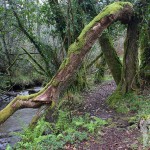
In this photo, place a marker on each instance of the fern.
(67, 129)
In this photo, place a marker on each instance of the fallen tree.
(49, 95)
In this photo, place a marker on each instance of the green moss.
(110, 9)
(145, 117)
(132, 120)
(64, 63)
(76, 46)
(129, 102)
(55, 83)
(115, 98)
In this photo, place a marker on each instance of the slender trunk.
(129, 81)
(111, 57)
(145, 54)
(101, 66)
(93, 62)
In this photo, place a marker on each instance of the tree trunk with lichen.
(145, 54)
(130, 72)
(111, 57)
(129, 81)
(101, 67)
(130, 75)
(50, 93)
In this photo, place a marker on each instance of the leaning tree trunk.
(108, 50)
(111, 57)
(49, 94)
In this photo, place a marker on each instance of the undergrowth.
(138, 104)
(54, 136)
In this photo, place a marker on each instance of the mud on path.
(119, 134)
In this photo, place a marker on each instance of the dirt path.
(119, 134)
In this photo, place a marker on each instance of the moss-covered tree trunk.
(145, 53)
(111, 57)
(101, 67)
(130, 73)
(76, 53)
(129, 81)
(108, 50)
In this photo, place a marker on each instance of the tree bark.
(130, 74)
(111, 57)
(49, 94)
(101, 68)
(93, 61)
(130, 62)
(145, 54)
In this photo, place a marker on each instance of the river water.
(16, 122)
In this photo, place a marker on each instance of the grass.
(134, 103)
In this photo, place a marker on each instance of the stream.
(16, 122)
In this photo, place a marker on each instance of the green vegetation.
(111, 9)
(138, 104)
(66, 130)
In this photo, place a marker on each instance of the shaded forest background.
(35, 37)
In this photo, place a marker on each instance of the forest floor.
(119, 134)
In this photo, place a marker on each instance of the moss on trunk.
(129, 78)
(101, 67)
(111, 57)
(145, 53)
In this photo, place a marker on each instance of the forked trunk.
(129, 81)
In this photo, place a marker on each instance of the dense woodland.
(68, 47)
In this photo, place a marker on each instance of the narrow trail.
(119, 134)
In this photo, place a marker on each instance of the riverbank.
(17, 121)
